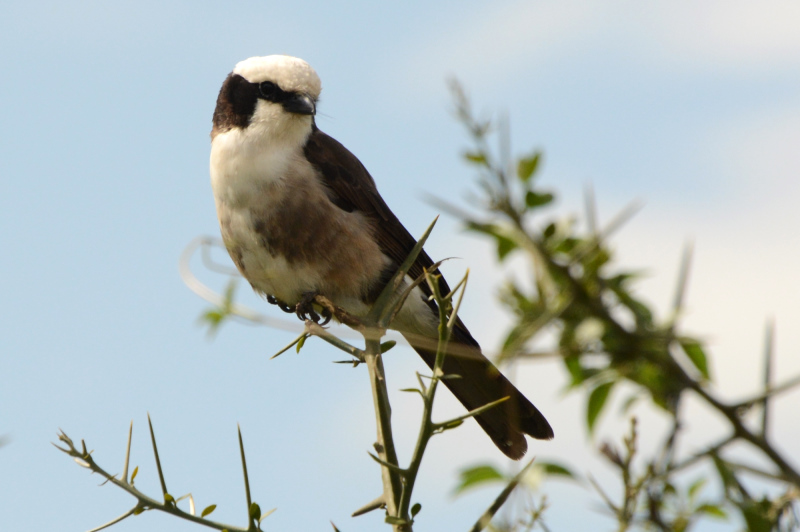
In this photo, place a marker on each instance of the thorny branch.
(169, 504)
(573, 288)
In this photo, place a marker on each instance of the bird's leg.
(281, 305)
(330, 310)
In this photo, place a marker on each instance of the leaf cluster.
(578, 300)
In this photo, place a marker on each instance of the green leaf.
(300, 344)
(504, 243)
(534, 199)
(255, 511)
(597, 400)
(168, 498)
(415, 509)
(573, 365)
(413, 390)
(726, 474)
(619, 281)
(504, 246)
(216, 316)
(477, 475)
(756, 517)
(453, 424)
(566, 245)
(208, 509)
(475, 157)
(555, 469)
(488, 229)
(680, 524)
(712, 510)
(695, 487)
(135, 472)
(213, 317)
(527, 166)
(385, 346)
(697, 355)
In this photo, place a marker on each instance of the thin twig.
(472, 413)
(683, 279)
(127, 454)
(379, 502)
(768, 356)
(158, 460)
(591, 209)
(771, 392)
(759, 441)
(116, 520)
(314, 329)
(293, 343)
(244, 472)
(487, 516)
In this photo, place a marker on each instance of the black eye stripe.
(266, 89)
(269, 91)
(238, 98)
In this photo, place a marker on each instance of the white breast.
(246, 173)
(240, 166)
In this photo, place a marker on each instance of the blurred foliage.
(583, 303)
(214, 317)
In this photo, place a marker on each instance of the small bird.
(301, 216)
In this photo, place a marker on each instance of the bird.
(301, 216)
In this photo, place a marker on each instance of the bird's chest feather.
(283, 232)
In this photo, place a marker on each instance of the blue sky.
(693, 109)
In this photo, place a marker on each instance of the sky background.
(692, 108)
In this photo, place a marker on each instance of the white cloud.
(760, 151)
(498, 43)
(725, 34)
(489, 45)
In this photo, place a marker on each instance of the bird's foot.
(305, 309)
(281, 305)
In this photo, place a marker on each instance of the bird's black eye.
(267, 90)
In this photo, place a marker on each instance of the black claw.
(307, 314)
(281, 305)
(305, 308)
(326, 315)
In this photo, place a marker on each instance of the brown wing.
(353, 189)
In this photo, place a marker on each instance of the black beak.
(300, 104)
